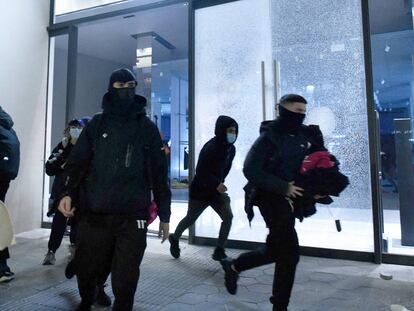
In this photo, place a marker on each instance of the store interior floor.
(195, 282)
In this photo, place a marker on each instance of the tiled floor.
(195, 282)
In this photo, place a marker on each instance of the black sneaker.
(219, 254)
(6, 276)
(230, 276)
(174, 246)
(102, 299)
(70, 270)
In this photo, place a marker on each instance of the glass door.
(315, 50)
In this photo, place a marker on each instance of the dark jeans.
(282, 248)
(58, 230)
(110, 243)
(221, 206)
(4, 254)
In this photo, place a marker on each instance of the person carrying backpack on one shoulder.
(115, 163)
(9, 169)
(208, 188)
(270, 167)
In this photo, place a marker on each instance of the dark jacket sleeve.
(230, 162)
(79, 160)
(159, 173)
(55, 162)
(203, 169)
(255, 168)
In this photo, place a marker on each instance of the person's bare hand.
(65, 207)
(164, 231)
(222, 188)
(294, 191)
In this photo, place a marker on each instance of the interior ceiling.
(111, 39)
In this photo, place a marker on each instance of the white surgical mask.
(231, 138)
(75, 132)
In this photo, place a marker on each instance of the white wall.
(23, 79)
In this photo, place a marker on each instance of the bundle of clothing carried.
(319, 176)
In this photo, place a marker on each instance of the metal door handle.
(276, 80)
(263, 90)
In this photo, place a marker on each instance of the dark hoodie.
(9, 147)
(214, 162)
(111, 163)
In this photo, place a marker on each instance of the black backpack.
(9, 153)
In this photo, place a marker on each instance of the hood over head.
(5, 119)
(222, 124)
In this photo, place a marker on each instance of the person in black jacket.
(271, 166)
(117, 160)
(207, 187)
(9, 168)
(55, 167)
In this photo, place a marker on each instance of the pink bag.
(153, 210)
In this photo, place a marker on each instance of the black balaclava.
(122, 99)
(289, 120)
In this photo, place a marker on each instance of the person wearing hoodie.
(55, 167)
(9, 169)
(270, 167)
(208, 188)
(116, 162)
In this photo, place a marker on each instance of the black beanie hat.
(121, 75)
(292, 98)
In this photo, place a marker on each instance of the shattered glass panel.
(319, 46)
(231, 42)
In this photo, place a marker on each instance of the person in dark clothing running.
(9, 168)
(115, 164)
(55, 167)
(208, 189)
(271, 165)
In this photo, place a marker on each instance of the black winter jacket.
(273, 161)
(214, 162)
(115, 163)
(9, 148)
(57, 159)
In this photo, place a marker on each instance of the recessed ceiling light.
(382, 82)
(387, 48)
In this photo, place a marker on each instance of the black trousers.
(110, 243)
(282, 248)
(221, 206)
(4, 186)
(58, 230)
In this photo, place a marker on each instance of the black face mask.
(291, 121)
(122, 101)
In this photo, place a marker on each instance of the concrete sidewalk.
(195, 282)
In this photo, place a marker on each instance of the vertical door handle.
(276, 81)
(263, 90)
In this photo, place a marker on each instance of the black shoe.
(230, 276)
(219, 254)
(84, 307)
(174, 246)
(70, 270)
(102, 298)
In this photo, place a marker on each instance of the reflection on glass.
(392, 45)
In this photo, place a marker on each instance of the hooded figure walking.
(116, 162)
(208, 188)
